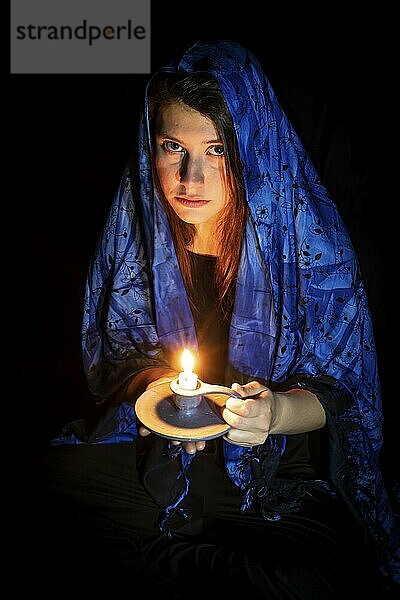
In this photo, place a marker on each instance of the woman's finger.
(245, 408)
(190, 447)
(242, 438)
(143, 431)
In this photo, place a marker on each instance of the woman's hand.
(190, 447)
(250, 419)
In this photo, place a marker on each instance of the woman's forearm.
(296, 411)
(144, 380)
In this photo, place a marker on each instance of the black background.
(72, 135)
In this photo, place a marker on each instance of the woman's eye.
(217, 150)
(172, 146)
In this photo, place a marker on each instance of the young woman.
(222, 239)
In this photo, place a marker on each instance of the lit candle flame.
(187, 361)
(187, 380)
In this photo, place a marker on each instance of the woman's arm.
(149, 378)
(252, 420)
(296, 411)
(143, 381)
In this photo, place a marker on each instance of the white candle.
(187, 380)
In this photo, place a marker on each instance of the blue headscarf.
(300, 307)
(300, 301)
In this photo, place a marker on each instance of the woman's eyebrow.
(165, 134)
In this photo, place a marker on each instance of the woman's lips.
(192, 202)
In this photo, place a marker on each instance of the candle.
(187, 380)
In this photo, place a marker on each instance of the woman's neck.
(205, 240)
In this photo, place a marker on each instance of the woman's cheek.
(167, 173)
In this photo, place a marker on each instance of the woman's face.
(190, 164)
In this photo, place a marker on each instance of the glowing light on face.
(190, 164)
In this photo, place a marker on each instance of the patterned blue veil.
(300, 301)
(300, 307)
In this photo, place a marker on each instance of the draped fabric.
(300, 308)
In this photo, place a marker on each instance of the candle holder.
(186, 400)
(189, 400)
(186, 415)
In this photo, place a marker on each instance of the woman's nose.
(191, 171)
